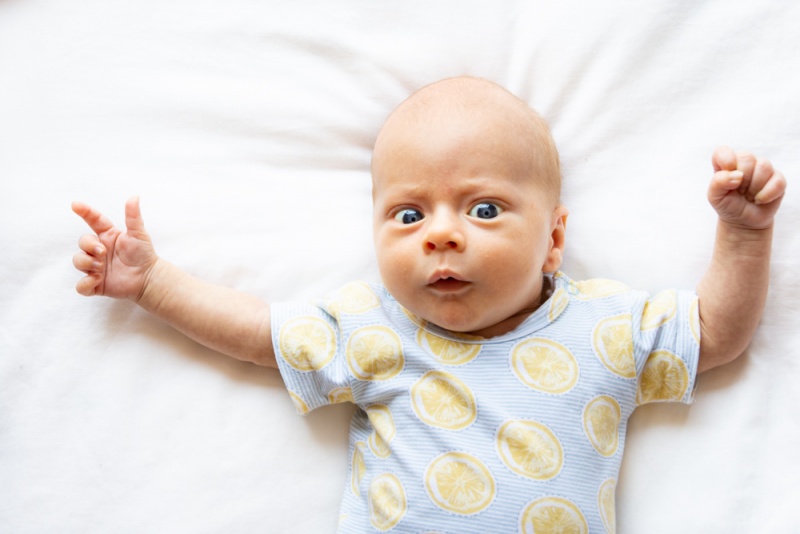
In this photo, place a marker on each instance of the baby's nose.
(444, 233)
(441, 246)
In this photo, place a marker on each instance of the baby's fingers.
(87, 286)
(91, 261)
(724, 159)
(722, 183)
(773, 190)
(98, 222)
(91, 245)
(86, 263)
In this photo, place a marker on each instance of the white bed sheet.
(246, 128)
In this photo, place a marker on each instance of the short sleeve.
(308, 349)
(666, 330)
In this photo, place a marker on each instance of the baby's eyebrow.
(399, 191)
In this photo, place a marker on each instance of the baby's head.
(467, 214)
(454, 108)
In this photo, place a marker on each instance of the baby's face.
(463, 230)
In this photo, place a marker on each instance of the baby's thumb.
(133, 219)
(722, 183)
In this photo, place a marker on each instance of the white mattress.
(246, 128)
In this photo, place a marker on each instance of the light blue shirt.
(522, 432)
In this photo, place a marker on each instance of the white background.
(246, 128)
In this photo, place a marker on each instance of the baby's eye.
(409, 216)
(485, 210)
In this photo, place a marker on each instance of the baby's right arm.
(125, 265)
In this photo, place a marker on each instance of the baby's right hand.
(116, 263)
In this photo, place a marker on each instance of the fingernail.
(735, 177)
(99, 251)
(96, 265)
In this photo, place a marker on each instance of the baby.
(493, 391)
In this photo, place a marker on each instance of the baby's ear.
(557, 239)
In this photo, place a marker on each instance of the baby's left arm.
(746, 192)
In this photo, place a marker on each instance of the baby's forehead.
(468, 108)
(462, 98)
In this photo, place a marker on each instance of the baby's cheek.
(394, 268)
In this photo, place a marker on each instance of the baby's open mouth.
(448, 284)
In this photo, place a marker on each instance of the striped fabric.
(522, 432)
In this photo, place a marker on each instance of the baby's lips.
(447, 280)
(444, 274)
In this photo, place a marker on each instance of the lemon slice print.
(447, 351)
(601, 419)
(374, 353)
(358, 468)
(558, 303)
(529, 449)
(387, 501)
(664, 378)
(552, 515)
(694, 320)
(307, 343)
(384, 430)
(440, 399)
(544, 365)
(459, 483)
(353, 298)
(342, 394)
(659, 310)
(605, 503)
(612, 341)
(299, 404)
(379, 447)
(598, 288)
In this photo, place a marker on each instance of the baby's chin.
(481, 327)
(451, 324)
(491, 327)
(461, 319)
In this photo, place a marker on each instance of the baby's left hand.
(746, 191)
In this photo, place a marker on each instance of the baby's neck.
(507, 325)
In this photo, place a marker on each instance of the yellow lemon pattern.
(612, 341)
(664, 378)
(384, 430)
(605, 503)
(598, 288)
(447, 351)
(375, 353)
(553, 515)
(659, 310)
(459, 483)
(353, 298)
(387, 501)
(601, 419)
(358, 468)
(340, 394)
(694, 319)
(448, 426)
(441, 400)
(299, 404)
(544, 365)
(307, 343)
(530, 449)
(558, 303)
